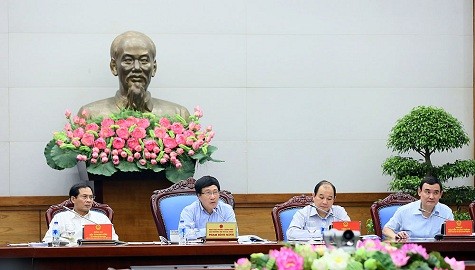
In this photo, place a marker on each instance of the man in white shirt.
(82, 197)
(422, 218)
(310, 221)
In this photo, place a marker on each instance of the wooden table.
(102, 257)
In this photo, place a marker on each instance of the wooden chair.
(283, 213)
(167, 204)
(383, 210)
(471, 210)
(57, 208)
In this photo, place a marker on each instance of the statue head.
(133, 61)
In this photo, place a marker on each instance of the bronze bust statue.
(133, 61)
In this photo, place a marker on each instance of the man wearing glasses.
(208, 207)
(82, 197)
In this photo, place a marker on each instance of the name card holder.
(97, 232)
(347, 225)
(221, 231)
(458, 227)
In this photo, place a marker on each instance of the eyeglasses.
(85, 197)
(209, 193)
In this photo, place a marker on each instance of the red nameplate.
(347, 225)
(97, 232)
(458, 227)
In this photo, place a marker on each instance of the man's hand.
(401, 235)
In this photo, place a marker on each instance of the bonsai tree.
(427, 130)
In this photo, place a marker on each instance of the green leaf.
(187, 170)
(64, 158)
(126, 166)
(106, 169)
(49, 158)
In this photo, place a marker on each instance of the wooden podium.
(128, 194)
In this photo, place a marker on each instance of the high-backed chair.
(166, 204)
(54, 209)
(471, 210)
(283, 213)
(383, 210)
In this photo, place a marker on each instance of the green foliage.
(370, 226)
(458, 196)
(426, 130)
(408, 184)
(458, 215)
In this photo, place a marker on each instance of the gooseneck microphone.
(326, 212)
(433, 214)
(219, 214)
(78, 215)
(440, 235)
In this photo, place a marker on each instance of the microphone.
(433, 214)
(75, 213)
(326, 212)
(440, 235)
(219, 214)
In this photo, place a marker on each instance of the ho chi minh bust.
(133, 61)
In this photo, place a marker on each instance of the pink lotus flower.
(160, 132)
(287, 259)
(177, 128)
(164, 122)
(92, 126)
(87, 139)
(143, 123)
(78, 133)
(150, 145)
(399, 258)
(118, 143)
(139, 133)
(132, 143)
(198, 112)
(143, 139)
(123, 132)
(100, 143)
(454, 264)
(169, 142)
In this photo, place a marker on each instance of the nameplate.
(458, 227)
(221, 230)
(347, 225)
(97, 232)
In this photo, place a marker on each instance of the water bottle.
(182, 233)
(56, 234)
(322, 227)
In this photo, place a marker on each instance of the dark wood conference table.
(125, 256)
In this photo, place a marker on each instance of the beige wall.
(297, 91)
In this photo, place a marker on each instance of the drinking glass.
(191, 233)
(70, 231)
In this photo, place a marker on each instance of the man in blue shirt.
(208, 207)
(422, 218)
(308, 222)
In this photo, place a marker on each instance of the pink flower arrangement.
(132, 141)
(368, 254)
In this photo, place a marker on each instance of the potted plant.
(427, 130)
